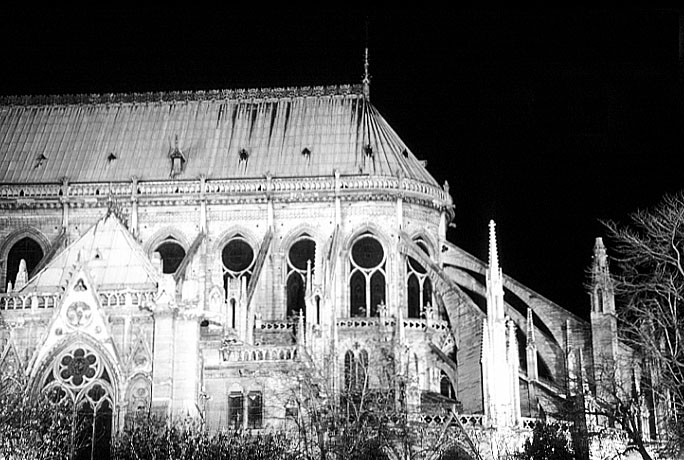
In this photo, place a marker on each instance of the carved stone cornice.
(181, 96)
(226, 191)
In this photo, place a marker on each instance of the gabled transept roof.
(110, 255)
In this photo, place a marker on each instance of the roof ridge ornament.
(366, 76)
(177, 158)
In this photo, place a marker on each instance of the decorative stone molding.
(226, 191)
(182, 96)
(18, 301)
(251, 353)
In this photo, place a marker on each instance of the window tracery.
(237, 257)
(445, 387)
(300, 259)
(78, 377)
(355, 371)
(418, 285)
(367, 281)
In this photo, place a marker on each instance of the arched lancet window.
(355, 371)
(300, 256)
(172, 254)
(418, 285)
(445, 387)
(139, 398)
(367, 282)
(349, 371)
(238, 258)
(599, 300)
(80, 378)
(26, 249)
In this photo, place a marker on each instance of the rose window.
(78, 367)
(79, 314)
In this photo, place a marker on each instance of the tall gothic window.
(26, 249)
(367, 285)
(236, 402)
(355, 371)
(255, 409)
(238, 258)
(419, 286)
(79, 377)
(301, 254)
(172, 254)
(445, 387)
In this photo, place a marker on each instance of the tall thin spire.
(495, 291)
(493, 252)
(366, 75)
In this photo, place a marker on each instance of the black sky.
(545, 120)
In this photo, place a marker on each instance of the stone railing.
(366, 323)
(17, 301)
(423, 324)
(529, 423)
(126, 298)
(471, 420)
(218, 189)
(251, 353)
(30, 191)
(477, 421)
(275, 325)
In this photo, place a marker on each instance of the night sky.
(545, 120)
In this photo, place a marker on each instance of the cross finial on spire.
(366, 76)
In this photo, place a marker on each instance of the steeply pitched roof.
(284, 132)
(112, 258)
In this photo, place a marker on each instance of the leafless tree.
(366, 414)
(33, 428)
(649, 282)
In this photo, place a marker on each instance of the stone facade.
(231, 253)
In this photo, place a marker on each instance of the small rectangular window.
(235, 409)
(255, 410)
(291, 411)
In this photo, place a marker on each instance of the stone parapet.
(223, 191)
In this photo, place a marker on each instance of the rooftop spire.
(493, 253)
(366, 76)
(495, 290)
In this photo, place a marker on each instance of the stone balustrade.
(409, 324)
(17, 301)
(477, 421)
(252, 353)
(275, 325)
(126, 298)
(220, 188)
(366, 322)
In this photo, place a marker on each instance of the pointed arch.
(40, 372)
(300, 256)
(367, 275)
(371, 229)
(237, 231)
(138, 395)
(164, 234)
(171, 244)
(27, 233)
(303, 230)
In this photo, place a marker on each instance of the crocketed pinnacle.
(493, 253)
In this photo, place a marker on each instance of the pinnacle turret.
(493, 252)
